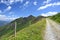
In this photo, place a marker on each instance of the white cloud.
(0, 11)
(47, 1)
(19, 0)
(7, 18)
(9, 2)
(43, 7)
(10, 19)
(2, 17)
(5, 10)
(48, 5)
(8, 8)
(10, 13)
(26, 3)
(35, 3)
(49, 14)
(2, 1)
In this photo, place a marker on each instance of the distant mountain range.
(2, 23)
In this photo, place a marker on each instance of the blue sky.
(12, 9)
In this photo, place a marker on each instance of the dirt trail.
(52, 31)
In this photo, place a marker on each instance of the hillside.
(28, 28)
(23, 24)
(56, 17)
(33, 32)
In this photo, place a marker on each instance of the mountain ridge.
(24, 26)
(21, 24)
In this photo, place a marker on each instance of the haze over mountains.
(2, 23)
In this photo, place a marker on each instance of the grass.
(33, 32)
(56, 18)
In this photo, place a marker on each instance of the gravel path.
(52, 31)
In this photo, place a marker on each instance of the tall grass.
(33, 32)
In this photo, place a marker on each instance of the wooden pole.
(15, 28)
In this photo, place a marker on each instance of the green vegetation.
(33, 32)
(56, 17)
(8, 30)
(28, 28)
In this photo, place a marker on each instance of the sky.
(13, 9)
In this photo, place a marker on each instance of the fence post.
(15, 28)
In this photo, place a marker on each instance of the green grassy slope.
(56, 17)
(33, 32)
(22, 23)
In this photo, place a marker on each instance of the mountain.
(2, 23)
(28, 28)
(24, 24)
(56, 17)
